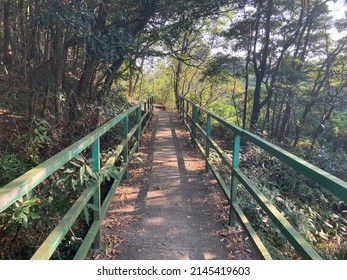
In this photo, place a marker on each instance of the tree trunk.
(261, 69)
(130, 84)
(244, 114)
(177, 81)
(58, 61)
(319, 130)
(286, 118)
(7, 33)
(86, 80)
(145, 15)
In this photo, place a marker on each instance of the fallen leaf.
(231, 257)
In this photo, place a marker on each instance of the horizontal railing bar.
(110, 195)
(326, 180)
(88, 241)
(144, 129)
(113, 158)
(51, 243)
(133, 131)
(147, 123)
(299, 243)
(144, 117)
(217, 118)
(188, 127)
(323, 178)
(133, 150)
(25, 183)
(218, 149)
(217, 175)
(200, 128)
(220, 180)
(258, 244)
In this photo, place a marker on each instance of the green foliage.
(11, 166)
(38, 212)
(26, 210)
(35, 140)
(315, 213)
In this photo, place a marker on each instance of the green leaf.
(69, 170)
(90, 160)
(82, 172)
(90, 183)
(93, 207)
(34, 215)
(31, 201)
(86, 215)
(90, 172)
(24, 219)
(114, 174)
(75, 163)
(80, 158)
(138, 160)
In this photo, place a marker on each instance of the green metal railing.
(189, 113)
(16, 189)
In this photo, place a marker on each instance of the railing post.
(145, 110)
(207, 143)
(234, 180)
(138, 131)
(183, 112)
(194, 121)
(187, 112)
(125, 150)
(180, 107)
(96, 196)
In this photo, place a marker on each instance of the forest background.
(275, 67)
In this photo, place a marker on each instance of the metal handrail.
(189, 112)
(19, 187)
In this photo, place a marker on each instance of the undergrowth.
(316, 214)
(28, 221)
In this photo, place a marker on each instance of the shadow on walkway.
(169, 208)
